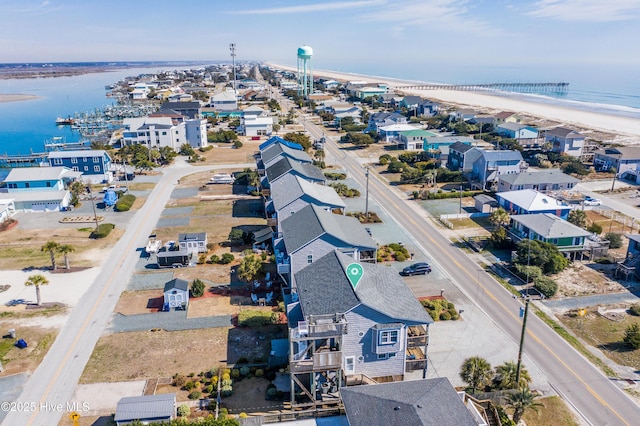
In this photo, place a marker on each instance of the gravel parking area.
(102, 398)
(167, 222)
(184, 193)
(177, 211)
(11, 388)
(169, 321)
(149, 281)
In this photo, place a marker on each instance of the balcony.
(323, 359)
(416, 337)
(415, 359)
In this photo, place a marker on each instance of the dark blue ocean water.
(25, 126)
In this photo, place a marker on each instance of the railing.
(325, 359)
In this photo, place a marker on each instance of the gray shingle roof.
(146, 407)
(176, 283)
(417, 402)
(286, 165)
(177, 106)
(324, 289)
(501, 155)
(550, 226)
(278, 149)
(562, 132)
(311, 222)
(543, 176)
(460, 147)
(193, 236)
(290, 187)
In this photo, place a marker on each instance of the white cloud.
(586, 10)
(442, 15)
(316, 7)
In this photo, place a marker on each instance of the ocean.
(25, 126)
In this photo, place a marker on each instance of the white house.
(195, 242)
(224, 101)
(565, 141)
(156, 132)
(256, 126)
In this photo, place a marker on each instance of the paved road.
(584, 387)
(45, 397)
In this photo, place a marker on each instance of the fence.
(620, 218)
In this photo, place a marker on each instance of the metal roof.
(532, 200)
(549, 176)
(549, 225)
(32, 174)
(289, 188)
(146, 407)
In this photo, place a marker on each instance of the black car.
(420, 268)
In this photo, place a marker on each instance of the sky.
(345, 35)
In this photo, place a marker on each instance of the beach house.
(565, 141)
(619, 159)
(545, 181)
(439, 146)
(345, 331)
(95, 164)
(414, 140)
(491, 164)
(549, 228)
(383, 119)
(529, 201)
(190, 110)
(526, 136)
(38, 188)
(226, 100)
(462, 156)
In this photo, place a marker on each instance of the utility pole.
(524, 329)
(366, 202)
(232, 48)
(460, 199)
(93, 204)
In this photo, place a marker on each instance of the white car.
(588, 201)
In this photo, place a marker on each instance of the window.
(164, 133)
(48, 184)
(84, 159)
(96, 168)
(310, 258)
(96, 159)
(86, 169)
(75, 169)
(349, 365)
(27, 185)
(57, 161)
(382, 356)
(388, 337)
(74, 161)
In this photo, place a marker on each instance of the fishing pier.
(541, 88)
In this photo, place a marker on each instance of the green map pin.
(354, 273)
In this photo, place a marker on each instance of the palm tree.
(65, 249)
(37, 280)
(52, 247)
(477, 372)
(499, 217)
(521, 401)
(506, 376)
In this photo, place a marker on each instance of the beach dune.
(16, 97)
(624, 126)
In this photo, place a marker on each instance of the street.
(592, 395)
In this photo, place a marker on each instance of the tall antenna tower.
(232, 48)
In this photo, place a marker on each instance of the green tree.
(476, 372)
(499, 218)
(632, 336)
(236, 236)
(578, 218)
(36, 280)
(249, 268)
(542, 254)
(498, 238)
(197, 288)
(546, 286)
(522, 401)
(506, 376)
(615, 240)
(595, 228)
(52, 247)
(65, 249)
(76, 188)
(299, 138)
(184, 410)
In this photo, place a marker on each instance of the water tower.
(305, 71)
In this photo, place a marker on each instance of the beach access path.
(53, 383)
(593, 396)
(568, 116)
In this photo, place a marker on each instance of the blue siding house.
(94, 164)
(529, 201)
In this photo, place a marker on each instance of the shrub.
(226, 259)
(214, 379)
(235, 373)
(227, 390)
(632, 336)
(533, 272)
(546, 286)
(244, 371)
(124, 203)
(195, 395)
(615, 240)
(102, 231)
(209, 389)
(236, 236)
(197, 288)
(259, 372)
(400, 257)
(272, 393)
(237, 144)
(263, 256)
(445, 316)
(595, 228)
(243, 415)
(226, 376)
(227, 382)
(635, 309)
(214, 259)
(179, 381)
(184, 410)
(189, 386)
(335, 176)
(202, 259)
(454, 316)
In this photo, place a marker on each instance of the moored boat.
(64, 121)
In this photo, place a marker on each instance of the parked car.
(420, 268)
(589, 201)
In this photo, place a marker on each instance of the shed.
(145, 409)
(176, 293)
(485, 203)
(195, 242)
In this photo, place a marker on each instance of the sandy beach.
(628, 128)
(16, 98)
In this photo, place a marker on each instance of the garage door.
(44, 206)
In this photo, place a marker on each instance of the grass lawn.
(553, 412)
(606, 335)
